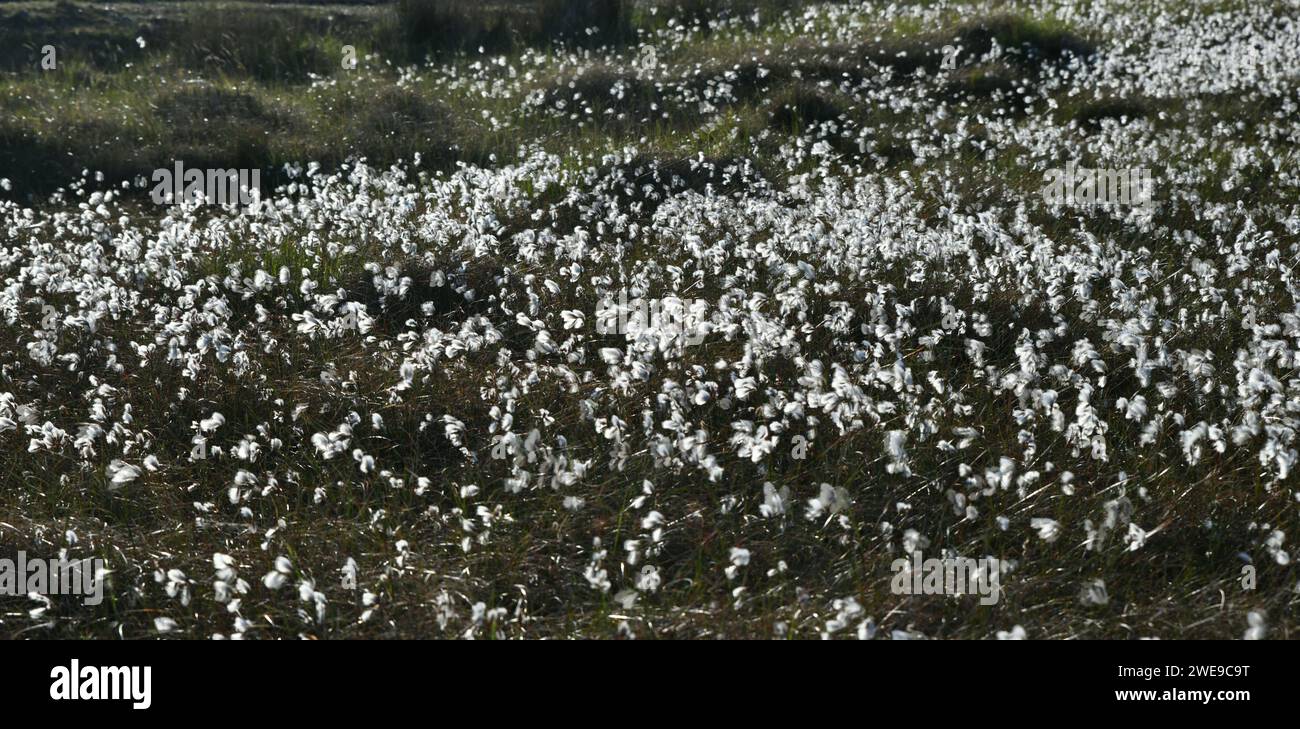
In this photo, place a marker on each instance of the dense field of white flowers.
(379, 403)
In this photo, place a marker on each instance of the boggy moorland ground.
(382, 402)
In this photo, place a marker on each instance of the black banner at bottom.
(167, 679)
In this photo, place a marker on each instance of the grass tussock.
(1030, 41)
(1123, 110)
(801, 106)
(420, 28)
(240, 42)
